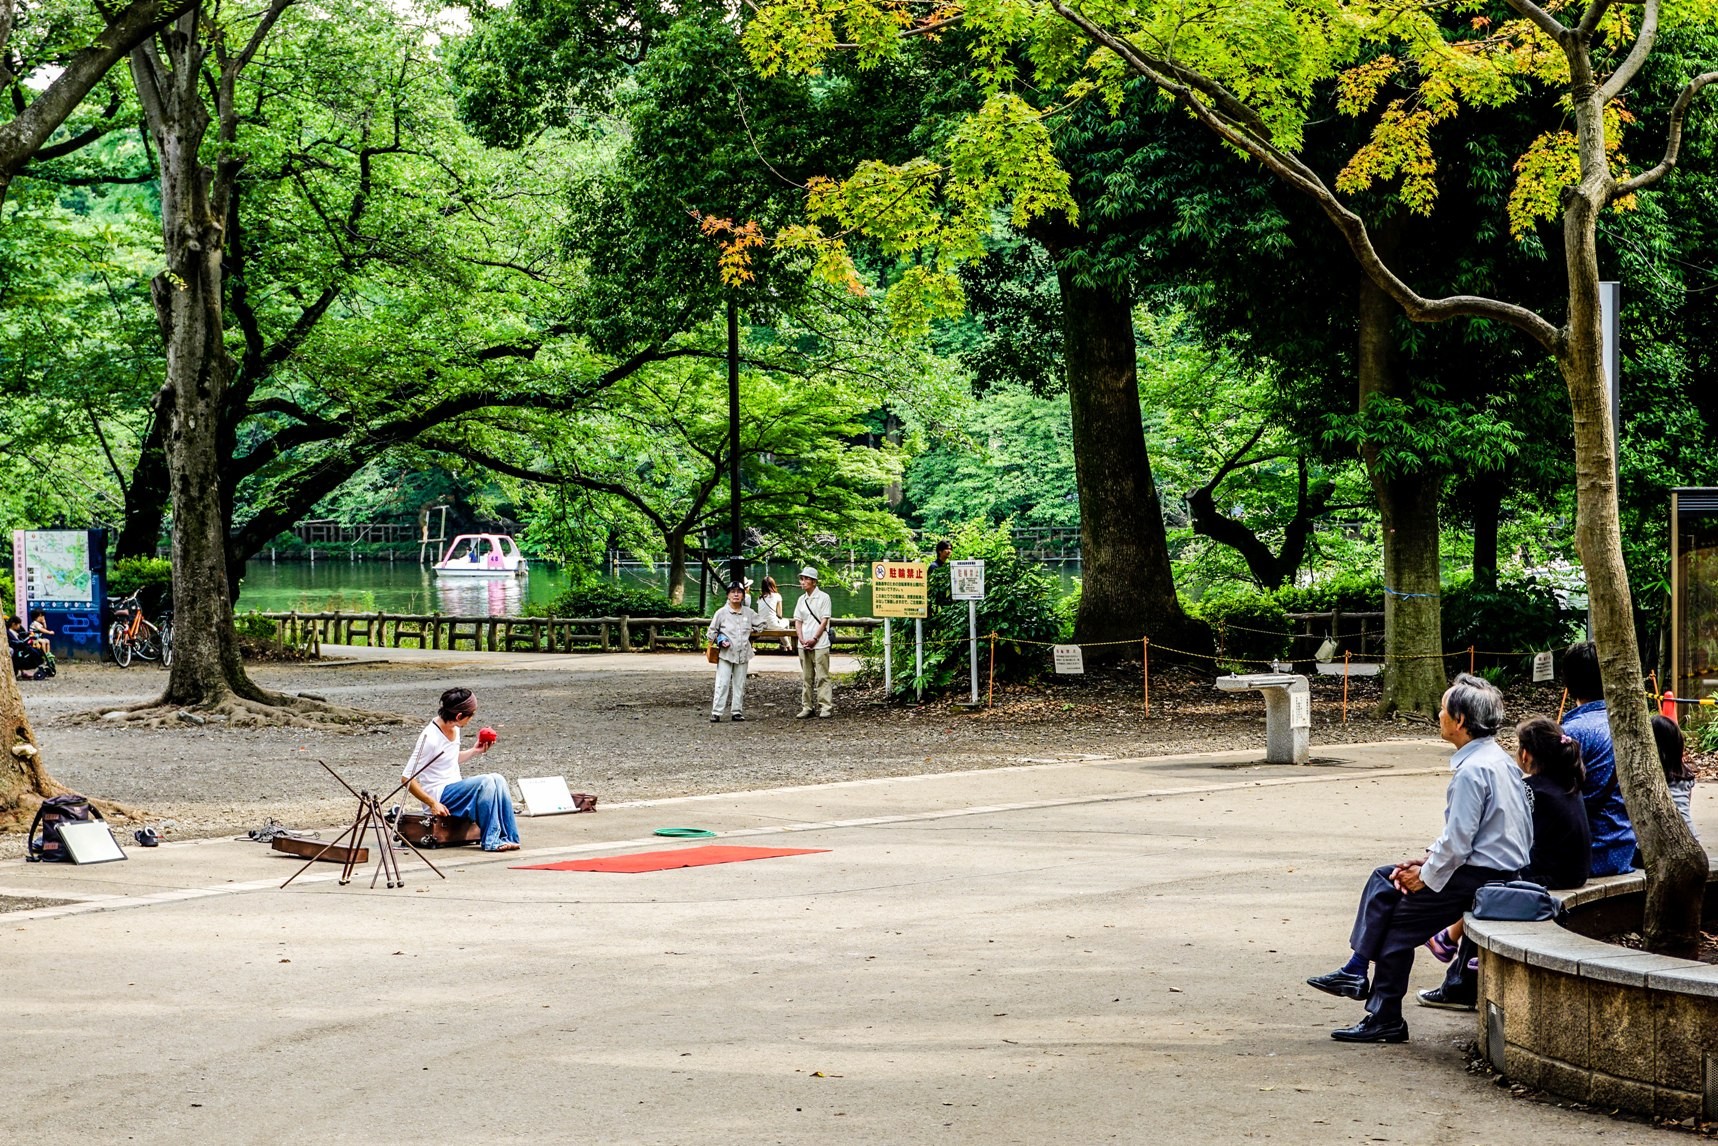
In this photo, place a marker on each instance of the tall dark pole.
(737, 561)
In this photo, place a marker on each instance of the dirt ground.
(630, 735)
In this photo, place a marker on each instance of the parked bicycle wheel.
(167, 642)
(119, 644)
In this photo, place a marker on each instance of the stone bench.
(1288, 712)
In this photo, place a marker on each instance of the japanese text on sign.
(898, 589)
(1068, 658)
(966, 580)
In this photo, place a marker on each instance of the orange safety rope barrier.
(1145, 669)
(1561, 705)
(1470, 658)
(1345, 686)
(990, 700)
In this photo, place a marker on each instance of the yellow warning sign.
(898, 589)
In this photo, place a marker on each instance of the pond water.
(403, 587)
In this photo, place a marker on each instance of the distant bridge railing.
(310, 631)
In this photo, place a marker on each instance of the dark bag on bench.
(422, 830)
(45, 846)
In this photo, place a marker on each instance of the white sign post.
(888, 657)
(966, 583)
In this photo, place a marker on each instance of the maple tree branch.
(1298, 175)
(1547, 23)
(1673, 145)
(1643, 42)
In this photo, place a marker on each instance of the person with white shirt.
(433, 777)
(731, 632)
(811, 619)
(1487, 836)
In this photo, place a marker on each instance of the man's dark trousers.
(1390, 926)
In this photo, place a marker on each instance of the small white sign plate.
(966, 580)
(1300, 710)
(1069, 659)
(546, 795)
(1543, 669)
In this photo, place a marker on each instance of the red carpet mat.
(664, 861)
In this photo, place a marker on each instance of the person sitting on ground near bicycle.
(432, 775)
(25, 655)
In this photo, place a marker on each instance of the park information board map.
(898, 589)
(56, 568)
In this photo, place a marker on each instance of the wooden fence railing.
(309, 631)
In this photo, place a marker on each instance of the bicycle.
(133, 635)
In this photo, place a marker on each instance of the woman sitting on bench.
(432, 775)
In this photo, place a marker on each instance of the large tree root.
(231, 710)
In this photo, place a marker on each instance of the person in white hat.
(811, 619)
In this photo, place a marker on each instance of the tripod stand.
(369, 818)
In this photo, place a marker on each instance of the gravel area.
(621, 734)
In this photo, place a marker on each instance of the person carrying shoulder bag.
(811, 618)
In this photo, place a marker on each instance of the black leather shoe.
(715, 720)
(1373, 1029)
(738, 717)
(1343, 984)
(1446, 999)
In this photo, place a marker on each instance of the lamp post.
(737, 561)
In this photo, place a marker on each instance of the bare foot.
(508, 848)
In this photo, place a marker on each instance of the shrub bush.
(1349, 592)
(1249, 624)
(7, 604)
(253, 626)
(1019, 602)
(596, 597)
(129, 574)
(1517, 617)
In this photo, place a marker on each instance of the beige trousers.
(815, 694)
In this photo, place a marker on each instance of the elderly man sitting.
(1488, 835)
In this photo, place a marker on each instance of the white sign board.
(966, 580)
(1069, 659)
(546, 795)
(1542, 668)
(1300, 709)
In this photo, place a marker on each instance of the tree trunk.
(145, 499)
(1487, 507)
(676, 566)
(1129, 591)
(1408, 506)
(207, 670)
(24, 783)
(1676, 865)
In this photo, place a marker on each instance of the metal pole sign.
(888, 657)
(966, 583)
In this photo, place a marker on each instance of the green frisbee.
(686, 833)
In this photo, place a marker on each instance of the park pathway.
(1102, 951)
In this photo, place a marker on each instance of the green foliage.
(595, 597)
(1351, 592)
(1019, 602)
(1706, 736)
(129, 574)
(1520, 616)
(1006, 457)
(254, 626)
(1251, 624)
(7, 589)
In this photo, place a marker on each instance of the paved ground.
(1100, 951)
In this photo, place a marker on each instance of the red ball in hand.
(486, 737)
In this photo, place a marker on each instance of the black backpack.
(46, 847)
